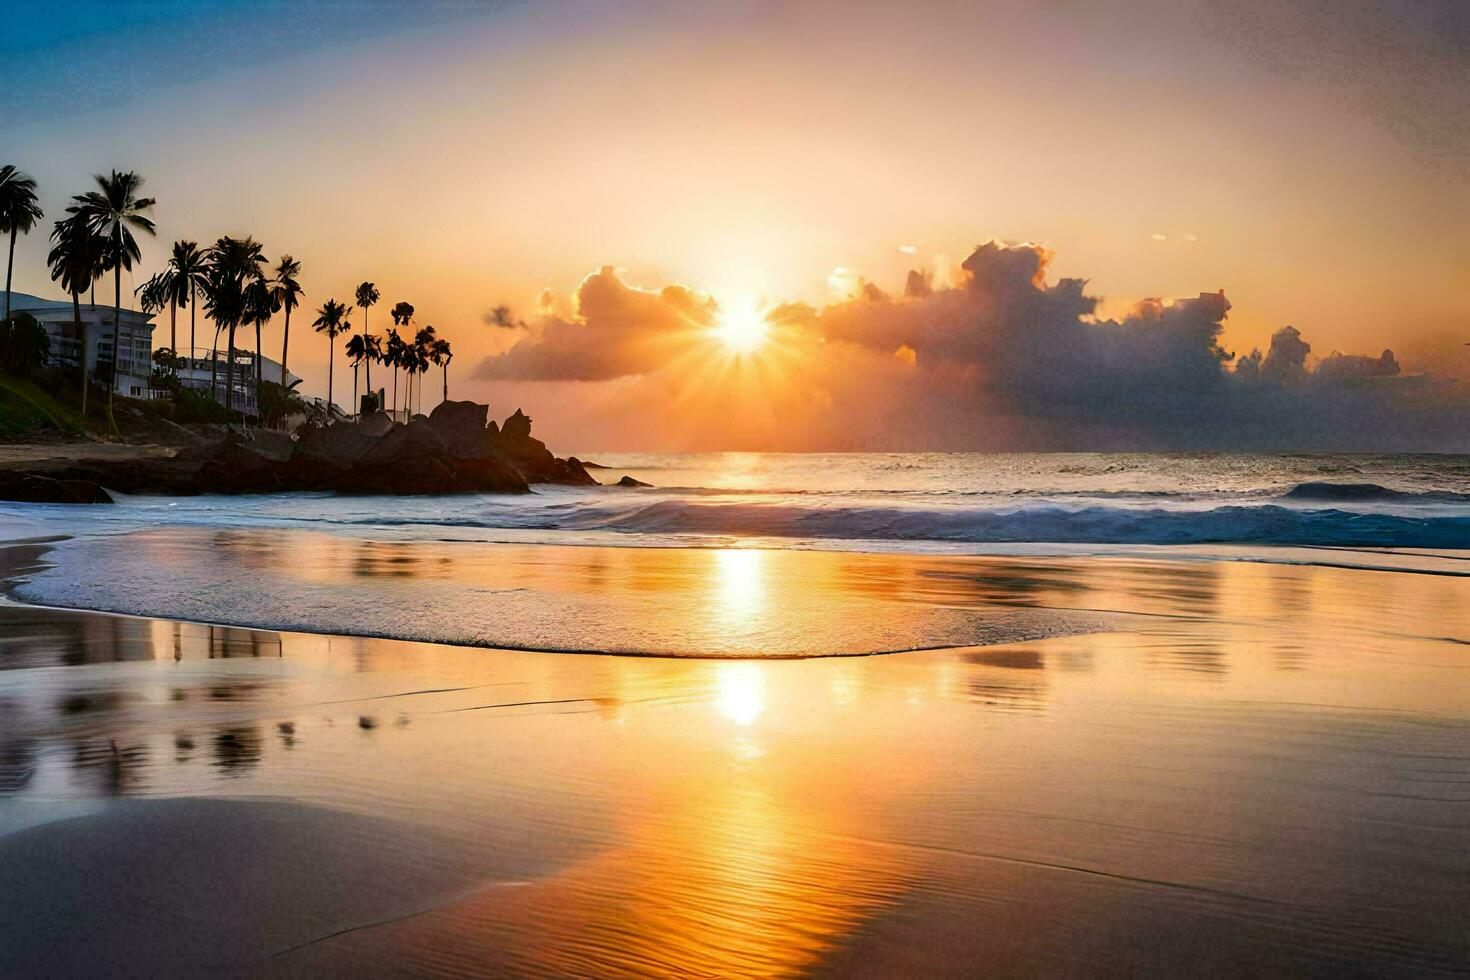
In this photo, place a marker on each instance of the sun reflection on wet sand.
(1269, 761)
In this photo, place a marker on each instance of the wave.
(1370, 492)
(1234, 524)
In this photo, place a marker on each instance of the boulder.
(462, 424)
(488, 474)
(273, 444)
(34, 489)
(628, 481)
(376, 424)
(405, 444)
(338, 445)
(517, 427)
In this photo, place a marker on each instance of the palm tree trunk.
(76, 311)
(285, 339)
(214, 366)
(192, 304)
(230, 376)
(355, 402)
(368, 370)
(116, 334)
(257, 361)
(446, 381)
(9, 267)
(395, 391)
(331, 360)
(173, 331)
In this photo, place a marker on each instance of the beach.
(1101, 764)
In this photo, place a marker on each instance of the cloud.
(1002, 358)
(616, 330)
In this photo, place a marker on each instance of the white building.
(135, 339)
(204, 370)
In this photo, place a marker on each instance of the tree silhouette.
(332, 320)
(288, 296)
(76, 260)
(19, 213)
(113, 210)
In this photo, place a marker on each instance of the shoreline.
(419, 807)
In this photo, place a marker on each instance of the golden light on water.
(741, 691)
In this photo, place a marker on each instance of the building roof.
(26, 303)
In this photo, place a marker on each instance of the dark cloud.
(1005, 359)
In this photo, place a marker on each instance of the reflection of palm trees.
(237, 749)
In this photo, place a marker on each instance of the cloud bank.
(1002, 359)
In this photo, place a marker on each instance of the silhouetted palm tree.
(181, 276)
(76, 260)
(372, 348)
(367, 295)
(393, 350)
(113, 211)
(332, 320)
(422, 342)
(234, 264)
(187, 274)
(152, 298)
(357, 352)
(260, 306)
(288, 295)
(19, 212)
(441, 354)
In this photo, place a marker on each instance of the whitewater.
(941, 502)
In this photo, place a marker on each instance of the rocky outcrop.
(32, 488)
(455, 450)
(628, 481)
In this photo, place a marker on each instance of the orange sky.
(481, 156)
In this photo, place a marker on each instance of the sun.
(741, 328)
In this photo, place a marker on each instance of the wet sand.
(1263, 770)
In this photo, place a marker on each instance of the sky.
(703, 217)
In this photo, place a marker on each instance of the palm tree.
(402, 314)
(113, 210)
(441, 353)
(76, 260)
(19, 212)
(357, 351)
(187, 273)
(288, 296)
(372, 350)
(393, 357)
(234, 265)
(260, 306)
(367, 295)
(332, 320)
(152, 296)
(422, 342)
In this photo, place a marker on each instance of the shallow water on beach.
(1254, 768)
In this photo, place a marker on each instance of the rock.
(628, 481)
(406, 444)
(338, 445)
(488, 474)
(376, 424)
(272, 444)
(462, 424)
(517, 427)
(236, 467)
(31, 488)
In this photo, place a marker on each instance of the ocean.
(730, 530)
